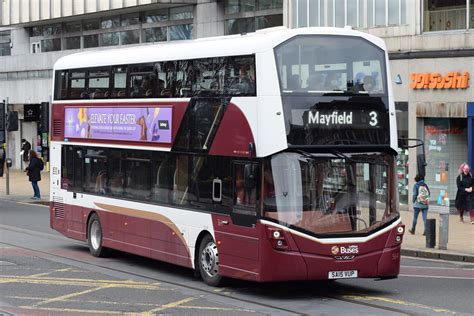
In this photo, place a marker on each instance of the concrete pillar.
(209, 18)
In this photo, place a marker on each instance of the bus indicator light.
(277, 238)
(400, 230)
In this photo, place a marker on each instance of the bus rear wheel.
(94, 234)
(208, 261)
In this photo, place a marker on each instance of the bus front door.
(238, 237)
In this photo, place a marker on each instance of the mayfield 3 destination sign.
(147, 124)
(339, 123)
(335, 119)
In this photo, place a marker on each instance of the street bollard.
(430, 231)
(443, 228)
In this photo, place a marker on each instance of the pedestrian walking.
(25, 149)
(421, 200)
(34, 173)
(464, 181)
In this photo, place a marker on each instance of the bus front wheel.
(208, 261)
(94, 234)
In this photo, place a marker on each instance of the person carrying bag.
(421, 201)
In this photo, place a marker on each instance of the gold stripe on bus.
(145, 215)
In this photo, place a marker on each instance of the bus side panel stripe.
(153, 217)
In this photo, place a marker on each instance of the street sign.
(31, 112)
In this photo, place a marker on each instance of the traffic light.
(12, 121)
(44, 118)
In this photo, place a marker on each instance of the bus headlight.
(400, 230)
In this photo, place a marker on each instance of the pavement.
(460, 246)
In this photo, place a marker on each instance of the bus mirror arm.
(420, 158)
(251, 150)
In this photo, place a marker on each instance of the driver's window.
(246, 180)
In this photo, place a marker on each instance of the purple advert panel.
(147, 124)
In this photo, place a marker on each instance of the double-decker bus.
(267, 156)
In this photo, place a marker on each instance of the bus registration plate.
(342, 274)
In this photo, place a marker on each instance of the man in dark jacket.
(25, 148)
(34, 173)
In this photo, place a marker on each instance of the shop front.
(440, 112)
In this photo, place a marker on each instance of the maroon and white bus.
(267, 156)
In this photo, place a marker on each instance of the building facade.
(431, 52)
(34, 34)
(430, 43)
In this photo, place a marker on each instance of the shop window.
(90, 25)
(446, 148)
(110, 23)
(181, 13)
(109, 39)
(369, 13)
(91, 41)
(155, 34)
(72, 42)
(129, 19)
(239, 26)
(155, 16)
(5, 40)
(446, 15)
(269, 21)
(32, 74)
(73, 27)
(130, 37)
(269, 4)
(180, 32)
(12, 75)
(49, 45)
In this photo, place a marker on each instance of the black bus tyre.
(208, 261)
(94, 237)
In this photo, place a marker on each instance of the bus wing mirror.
(421, 164)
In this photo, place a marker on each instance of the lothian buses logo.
(353, 249)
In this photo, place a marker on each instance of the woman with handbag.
(464, 183)
(34, 173)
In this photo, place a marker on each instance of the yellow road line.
(48, 273)
(398, 302)
(81, 282)
(221, 309)
(63, 297)
(209, 308)
(169, 305)
(71, 310)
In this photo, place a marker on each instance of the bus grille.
(58, 207)
(57, 125)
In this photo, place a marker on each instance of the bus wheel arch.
(206, 260)
(95, 236)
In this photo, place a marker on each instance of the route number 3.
(373, 118)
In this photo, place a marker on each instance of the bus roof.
(230, 45)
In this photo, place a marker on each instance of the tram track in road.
(227, 293)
